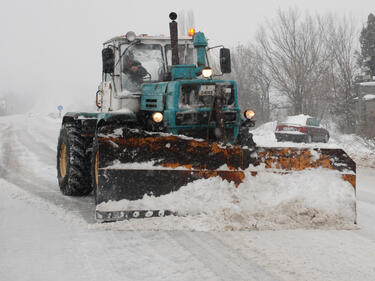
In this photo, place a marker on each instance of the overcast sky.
(52, 48)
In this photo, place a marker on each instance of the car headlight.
(249, 114)
(157, 117)
(207, 72)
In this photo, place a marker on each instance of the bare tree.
(263, 80)
(341, 37)
(249, 71)
(293, 50)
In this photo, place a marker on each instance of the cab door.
(104, 96)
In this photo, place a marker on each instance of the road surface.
(47, 236)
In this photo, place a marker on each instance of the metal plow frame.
(177, 161)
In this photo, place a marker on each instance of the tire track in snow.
(14, 170)
(221, 258)
(366, 213)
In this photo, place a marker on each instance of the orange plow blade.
(132, 164)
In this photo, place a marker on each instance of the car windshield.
(140, 62)
(186, 54)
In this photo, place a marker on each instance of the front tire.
(73, 162)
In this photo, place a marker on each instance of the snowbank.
(362, 151)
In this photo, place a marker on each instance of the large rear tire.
(73, 162)
(94, 167)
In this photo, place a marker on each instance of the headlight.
(130, 36)
(249, 114)
(157, 117)
(207, 72)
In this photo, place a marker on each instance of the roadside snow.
(14, 192)
(362, 151)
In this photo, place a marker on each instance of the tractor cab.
(151, 54)
(130, 61)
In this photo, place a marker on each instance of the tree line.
(300, 63)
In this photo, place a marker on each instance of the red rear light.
(302, 129)
(278, 128)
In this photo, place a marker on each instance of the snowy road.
(47, 236)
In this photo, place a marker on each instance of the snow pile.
(264, 135)
(362, 151)
(369, 97)
(306, 199)
(297, 119)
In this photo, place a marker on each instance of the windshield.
(139, 63)
(185, 54)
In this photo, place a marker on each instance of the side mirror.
(225, 64)
(108, 60)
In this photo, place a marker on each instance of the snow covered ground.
(44, 235)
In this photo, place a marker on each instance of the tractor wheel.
(326, 138)
(95, 166)
(73, 162)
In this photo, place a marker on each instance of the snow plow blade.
(131, 164)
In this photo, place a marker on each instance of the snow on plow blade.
(132, 164)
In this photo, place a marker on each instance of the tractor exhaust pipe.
(174, 38)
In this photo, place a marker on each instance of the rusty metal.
(172, 151)
(303, 158)
(180, 160)
(297, 159)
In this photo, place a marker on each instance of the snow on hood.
(369, 97)
(296, 119)
(371, 83)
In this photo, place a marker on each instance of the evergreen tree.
(367, 40)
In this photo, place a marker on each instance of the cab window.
(185, 53)
(139, 63)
